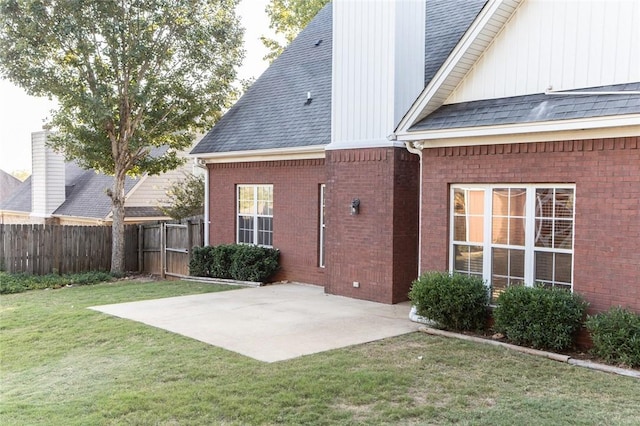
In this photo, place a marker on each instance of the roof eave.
(586, 128)
(471, 46)
(274, 154)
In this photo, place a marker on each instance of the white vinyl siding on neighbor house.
(563, 44)
(255, 215)
(513, 234)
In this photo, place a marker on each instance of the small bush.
(234, 261)
(200, 261)
(254, 263)
(539, 317)
(18, 283)
(453, 301)
(616, 336)
(222, 260)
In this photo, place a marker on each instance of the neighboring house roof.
(85, 194)
(539, 107)
(273, 113)
(143, 212)
(20, 200)
(8, 184)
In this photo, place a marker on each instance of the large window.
(513, 234)
(255, 214)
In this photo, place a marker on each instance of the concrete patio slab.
(271, 323)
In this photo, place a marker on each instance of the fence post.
(163, 250)
(140, 248)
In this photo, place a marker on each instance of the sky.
(21, 114)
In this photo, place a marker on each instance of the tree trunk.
(117, 230)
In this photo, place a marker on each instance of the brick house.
(497, 138)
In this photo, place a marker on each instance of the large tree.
(287, 18)
(134, 79)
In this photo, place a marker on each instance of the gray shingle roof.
(149, 211)
(534, 108)
(273, 113)
(446, 23)
(20, 199)
(8, 184)
(85, 190)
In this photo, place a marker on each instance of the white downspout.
(416, 148)
(200, 163)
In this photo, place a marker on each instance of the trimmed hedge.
(539, 317)
(616, 336)
(18, 283)
(454, 301)
(234, 261)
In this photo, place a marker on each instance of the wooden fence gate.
(164, 248)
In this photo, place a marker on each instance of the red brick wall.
(378, 247)
(606, 173)
(296, 194)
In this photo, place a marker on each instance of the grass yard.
(62, 364)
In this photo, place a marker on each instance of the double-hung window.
(513, 234)
(255, 214)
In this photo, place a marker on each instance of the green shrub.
(453, 301)
(616, 336)
(200, 260)
(254, 263)
(17, 283)
(234, 261)
(223, 256)
(539, 317)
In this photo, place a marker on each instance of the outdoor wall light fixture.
(355, 206)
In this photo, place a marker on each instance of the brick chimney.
(47, 178)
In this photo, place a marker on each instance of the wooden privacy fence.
(45, 249)
(164, 248)
(161, 248)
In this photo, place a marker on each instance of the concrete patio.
(272, 323)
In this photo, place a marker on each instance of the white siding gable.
(565, 44)
(378, 68)
(152, 190)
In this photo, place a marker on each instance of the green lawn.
(62, 364)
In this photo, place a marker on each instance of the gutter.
(199, 162)
(416, 148)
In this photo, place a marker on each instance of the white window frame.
(254, 214)
(321, 239)
(530, 221)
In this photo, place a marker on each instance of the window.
(322, 226)
(255, 214)
(513, 234)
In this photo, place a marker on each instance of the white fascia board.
(434, 95)
(587, 128)
(275, 154)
